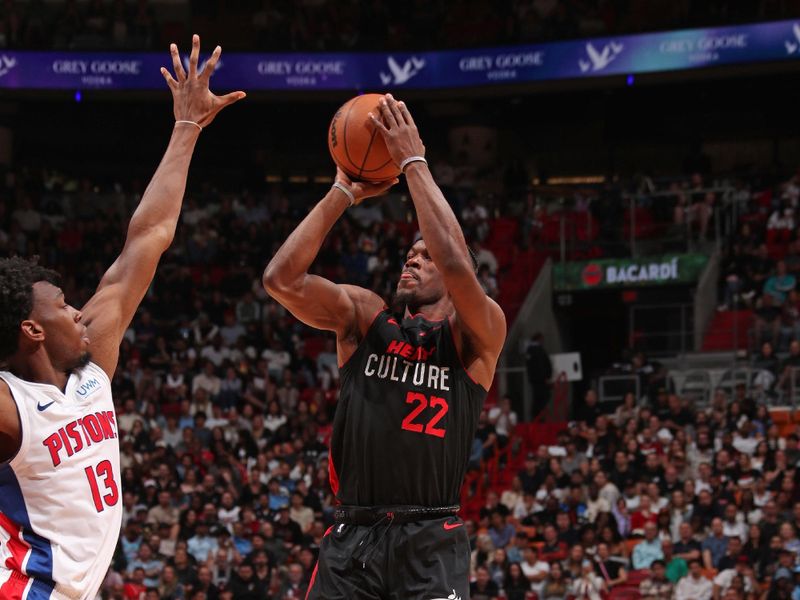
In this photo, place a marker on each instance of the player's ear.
(32, 331)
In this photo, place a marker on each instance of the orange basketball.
(356, 145)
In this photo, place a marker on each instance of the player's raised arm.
(477, 316)
(316, 301)
(152, 227)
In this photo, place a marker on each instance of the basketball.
(356, 145)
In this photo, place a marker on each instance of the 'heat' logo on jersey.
(88, 388)
(406, 350)
(81, 433)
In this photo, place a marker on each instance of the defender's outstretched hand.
(192, 99)
(398, 130)
(362, 190)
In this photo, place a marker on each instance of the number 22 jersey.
(60, 500)
(406, 417)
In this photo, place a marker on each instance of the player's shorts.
(400, 553)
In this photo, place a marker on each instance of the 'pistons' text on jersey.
(407, 415)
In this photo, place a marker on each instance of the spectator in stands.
(504, 420)
(516, 585)
(540, 372)
(169, 586)
(738, 577)
(149, 563)
(675, 566)
(535, 569)
(475, 220)
(657, 586)
(588, 411)
(587, 584)
(695, 586)
(553, 549)
(649, 549)
(612, 571)
(484, 256)
(767, 364)
(483, 588)
(715, 545)
(626, 411)
(780, 223)
(792, 361)
(500, 531)
(134, 588)
(487, 435)
(780, 284)
(556, 585)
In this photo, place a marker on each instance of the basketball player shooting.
(60, 500)
(412, 388)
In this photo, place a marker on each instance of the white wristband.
(410, 160)
(343, 188)
(192, 123)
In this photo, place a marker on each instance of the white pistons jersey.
(60, 497)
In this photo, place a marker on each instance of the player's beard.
(84, 359)
(407, 299)
(399, 301)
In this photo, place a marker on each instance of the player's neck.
(37, 368)
(438, 311)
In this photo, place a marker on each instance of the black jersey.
(406, 418)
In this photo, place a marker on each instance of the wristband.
(192, 123)
(410, 160)
(343, 188)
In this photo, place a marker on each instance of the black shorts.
(418, 560)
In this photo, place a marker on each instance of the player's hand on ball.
(398, 130)
(192, 100)
(363, 189)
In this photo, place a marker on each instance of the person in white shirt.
(724, 579)
(694, 586)
(504, 420)
(734, 525)
(535, 569)
(589, 585)
(513, 496)
(606, 489)
(207, 380)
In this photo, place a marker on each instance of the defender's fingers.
(194, 56)
(168, 77)
(176, 62)
(211, 63)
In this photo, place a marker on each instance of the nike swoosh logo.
(449, 526)
(45, 407)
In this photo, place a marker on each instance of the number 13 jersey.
(406, 417)
(60, 497)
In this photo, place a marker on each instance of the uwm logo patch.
(87, 388)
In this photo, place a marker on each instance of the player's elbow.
(276, 280)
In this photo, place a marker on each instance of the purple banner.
(621, 55)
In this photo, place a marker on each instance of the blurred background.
(634, 208)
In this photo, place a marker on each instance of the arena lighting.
(298, 178)
(78, 96)
(575, 180)
(323, 179)
(629, 81)
(273, 179)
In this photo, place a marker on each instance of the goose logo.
(792, 46)
(201, 65)
(6, 64)
(452, 596)
(599, 60)
(399, 75)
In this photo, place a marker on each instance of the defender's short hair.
(17, 276)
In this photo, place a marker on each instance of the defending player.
(411, 393)
(60, 501)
